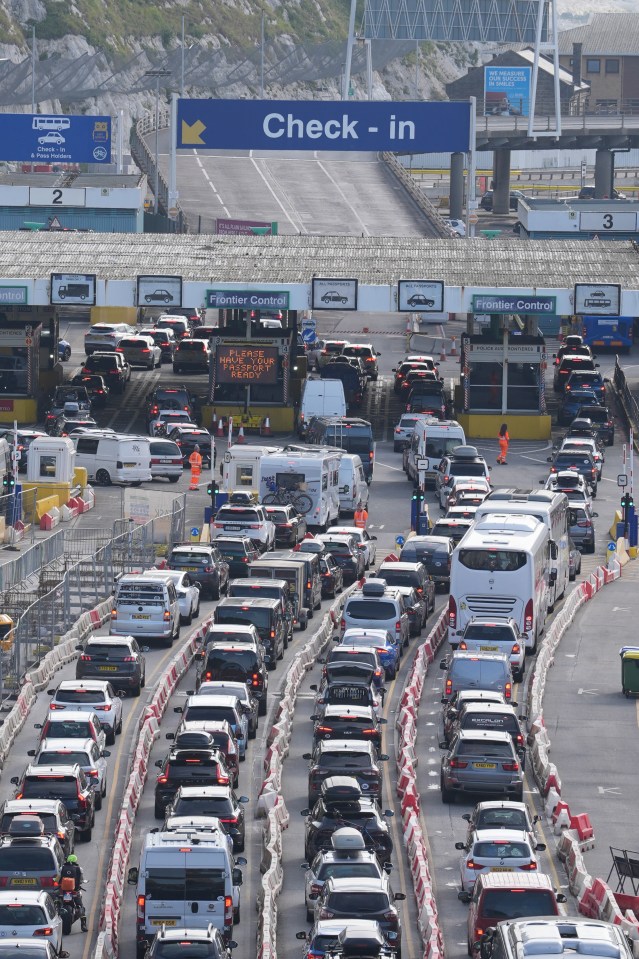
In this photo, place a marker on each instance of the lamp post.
(158, 74)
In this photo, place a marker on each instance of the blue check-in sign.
(247, 299)
(55, 138)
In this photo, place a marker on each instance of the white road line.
(276, 198)
(396, 468)
(211, 184)
(343, 196)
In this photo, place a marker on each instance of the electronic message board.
(246, 364)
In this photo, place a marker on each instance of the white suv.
(464, 461)
(250, 521)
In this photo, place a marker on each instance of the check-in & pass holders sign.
(420, 296)
(334, 294)
(247, 299)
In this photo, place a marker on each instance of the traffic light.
(212, 491)
(418, 498)
(627, 502)
(8, 483)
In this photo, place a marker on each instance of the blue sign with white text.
(362, 125)
(50, 138)
(507, 91)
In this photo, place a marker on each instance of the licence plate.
(489, 649)
(232, 526)
(129, 465)
(500, 869)
(23, 882)
(164, 922)
(140, 616)
(111, 669)
(485, 765)
(192, 569)
(162, 462)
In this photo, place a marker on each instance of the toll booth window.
(48, 466)
(244, 476)
(485, 381)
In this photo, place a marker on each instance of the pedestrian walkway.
(593, 728)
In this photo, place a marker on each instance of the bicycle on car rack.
(280, 496)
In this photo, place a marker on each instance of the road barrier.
(576, 833)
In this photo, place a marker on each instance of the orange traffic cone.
(442, 352)
(220, 427)
(453, 346)
(240, 436)
(266, 427)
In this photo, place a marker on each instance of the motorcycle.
(70, 908)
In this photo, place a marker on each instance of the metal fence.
(31, 560)
(83, 566)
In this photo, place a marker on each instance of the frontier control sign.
(369, 126)
(525, 303)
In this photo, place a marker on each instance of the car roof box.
(194, 740)
(341, 789)
(348, 839)
(26, 826)
(465, 452)
(374, 587)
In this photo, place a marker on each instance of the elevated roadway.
(587, 131)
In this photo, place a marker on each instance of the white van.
(186, 879)
(353, 488)
(240, 468)
(320, 398)
(313, 472)
(432, 440)
(113, 457)
(146, 608)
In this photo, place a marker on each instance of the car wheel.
(103, 478)
(447, 795)
(310, 914)
(252, 734)
(136, 690)
(572, 576)
(98, 800)
(110, 737)
(158, 811)
(261, 709)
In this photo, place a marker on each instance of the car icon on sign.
(418, 299)
(334, 297)
(159, 296)
(51, 137)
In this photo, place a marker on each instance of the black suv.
(238, 551)
(34, 861)
(118, 656)
(241, 662)
(353, 722)
(581, 463)
(268, 617)
(205, 564)
(114, 369)
(434, 552)
(178, 398)
(67, 783)
(601, 418)
(187, 767)
(345, 757)
(218, 801)
(290, 526)
(341, 804)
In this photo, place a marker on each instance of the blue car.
(572, 401)
(322, 938)
(587, 380)
(64, 350)
(388, 650)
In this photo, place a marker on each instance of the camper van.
(432, 440)
(240, 468)
(314, 472)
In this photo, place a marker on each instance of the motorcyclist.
(72, 869)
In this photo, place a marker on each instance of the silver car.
(481, 762)
(188, 592)
(361, 864)
(86, 753)
(140, 351)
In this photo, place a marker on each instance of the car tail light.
(167, 615)
(222, 779)
(54, 706)
(84, 658)
(105, 708)
(449, 687)
(398, 626)
(255, 681)
(129, 659)
(515, 651)
(520, 739)
(585, 524)
(61, 835)
(141, 902)
(92, 772)
(458, 764)
(4, 880)
(371, 731)
(114, 614)
(511, 767)
(508, 691)
(343, 623)
(45, 931)
(325, 729)
(528, 617)
(452, 613)
(529, 866)
(163, 779)
(228, 910)
(471, 864)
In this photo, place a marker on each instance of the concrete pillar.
(501, 181)
(604, 173)
(456, 199)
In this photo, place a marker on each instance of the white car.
(85, 752)
(188, 592)
(365, 542)
(496, 850)
(251, 521)
(91, 696)
(104, 336)
(571, 483)
(26, 914)
(457, 226)
(168, 419)
(403, 432)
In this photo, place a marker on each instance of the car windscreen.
(203, 806)
(8, 951)
(230, 549)
(61, 729)
(596, 414)
(513, 903)
(565, 460)
(277, 515)
(339, 759)
(504, 818)
(401, 577)
(493, 560)
(101, 363)
(421, 552)
(192, 346)
(365, 609)
(191, 559)
(348, 870)
(501, 849)
(49, 821)
(194, 767)
(227, 663)
(178, 885)
(351, 695)
(49, 787)
(144, 593)
(354, 903)
(164, 448)
(80, 695)
(438, 447)
(69, 757)
(261, 618)
(338, 547)
(359, 656)
(349, 441)
(494, 750)
(16, 914)
(268, 592)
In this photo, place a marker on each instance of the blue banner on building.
(507, 91)
(362, 125)
(50, 138)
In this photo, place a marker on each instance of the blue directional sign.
(309, 335)
(51, 138)
(362, 125)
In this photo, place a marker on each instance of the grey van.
(268, 617)
(269, 589)
(294, 574)
(466, 670)
(146, 609)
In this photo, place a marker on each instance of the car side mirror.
(199, 656)
(305, 865)
(374, 537)
(50, 692)
(306, 756)
(536, 819)
(305, 812)
(178, 709)
(549, 459)
(443, 745)
(466, 816)
(399, 896)
(443, 664)
(595, 515)
(132, 875)
(169, 736)
(158, 763)
(460, 845)
(313, 686)
(31, 752)
(79, 648)
(237, 877)
(387, 867)
(382, 722)
(560, 897)
(314, 717)
(106, 753)
(383, 757)
(540, 847)
(301, 935)
(37, 725)
(314, 896)
(14, 780)
(388, 813)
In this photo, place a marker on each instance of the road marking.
(350, 206)
(277, 199)
(587, 692)
(613, 790)
(621, 609)
(396, 468)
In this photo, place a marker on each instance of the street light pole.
(158, 74)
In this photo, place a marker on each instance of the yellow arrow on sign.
(191, 133)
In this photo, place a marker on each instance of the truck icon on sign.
(77, 291)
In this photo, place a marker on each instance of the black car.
(64, 425)
(187, 767)
(581, 463)
(165, 339)
(486, 202)
(238, 551)
(237, 662)
(332, 576)
(188, 437)
(347, 556)
(290, 526)
(114, 369)
(602, 419)
(205, 563)
(267, 615)
(67, 783)
(218, 801)
(434, 552)
(341, 803)
(117, 657)
(345, 757)
(352, 722)
(96, 388)
(174, 398)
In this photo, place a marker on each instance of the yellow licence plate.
(140, 616)
(23, 882)
(164, 922)
(485, 765)
(489, 649)
(500, 869)
(111, 669)
(129, 465)
(192, 569)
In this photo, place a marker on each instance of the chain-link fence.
(81, 569)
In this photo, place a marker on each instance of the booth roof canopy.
(498, 263)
